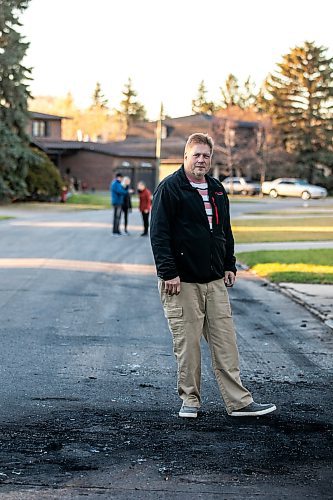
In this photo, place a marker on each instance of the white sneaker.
(188, 411)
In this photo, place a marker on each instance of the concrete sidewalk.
(282, 245)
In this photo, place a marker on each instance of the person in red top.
(144, 206)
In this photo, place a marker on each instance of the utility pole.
(261, 152)
(229, 140)
(158, 146)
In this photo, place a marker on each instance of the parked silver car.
(293, 187)
(240, 185)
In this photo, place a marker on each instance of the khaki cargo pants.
(204, 309)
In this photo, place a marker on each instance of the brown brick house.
(94, 164)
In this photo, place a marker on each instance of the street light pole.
(158, 146)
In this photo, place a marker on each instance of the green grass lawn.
(78, 201)
(53, 206)
(297, 266)
(93, 200)
(283, 229)
(90, 199)
(4, 217)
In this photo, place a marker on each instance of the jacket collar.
(185, 183)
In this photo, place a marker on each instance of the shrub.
(43, 180)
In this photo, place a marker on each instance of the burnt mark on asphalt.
(295, 442)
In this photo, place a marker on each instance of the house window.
(39, 128)
(164, 133)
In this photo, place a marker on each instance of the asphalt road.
(88, 400)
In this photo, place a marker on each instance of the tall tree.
(247, 95)
(234, 94)
(200, 104)
(299, 98)
(15, 154)
(99, 101)
(130, 108)
(230, 92)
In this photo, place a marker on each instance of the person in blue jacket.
(118, 193)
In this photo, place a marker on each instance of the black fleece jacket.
(183, 243)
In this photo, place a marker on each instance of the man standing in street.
(193, 247)
(118, 193)
(144, 206)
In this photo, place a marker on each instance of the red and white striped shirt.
(202, 188)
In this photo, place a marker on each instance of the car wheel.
(273, 193)
(306, 195)
(244, 192)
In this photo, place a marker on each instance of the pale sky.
(167, 47)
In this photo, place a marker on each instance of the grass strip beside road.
(93, 200)
(5, 217)
(293, 266)
(234, 198)
(284, 229)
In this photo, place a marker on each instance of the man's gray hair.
(199, 138)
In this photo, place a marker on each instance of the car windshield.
(302, 182)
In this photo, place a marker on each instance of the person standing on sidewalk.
(144, 206)
(117, 197)
(193, 248)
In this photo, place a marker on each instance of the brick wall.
(97, 170)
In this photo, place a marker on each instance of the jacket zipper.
(216, 211)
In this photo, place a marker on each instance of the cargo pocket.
(174, 315)
(221, 306)
(224, 308)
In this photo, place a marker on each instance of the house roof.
(50, 145)
(45, 116)
(189, 119)
(144, 146)
(133, 148)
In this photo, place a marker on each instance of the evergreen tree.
(248, 95)
(130, 108)
(262, 102)
(299, 98)
(98, 99)
(230, 92)
(15, 154)
(200, 104)
(236, 95)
